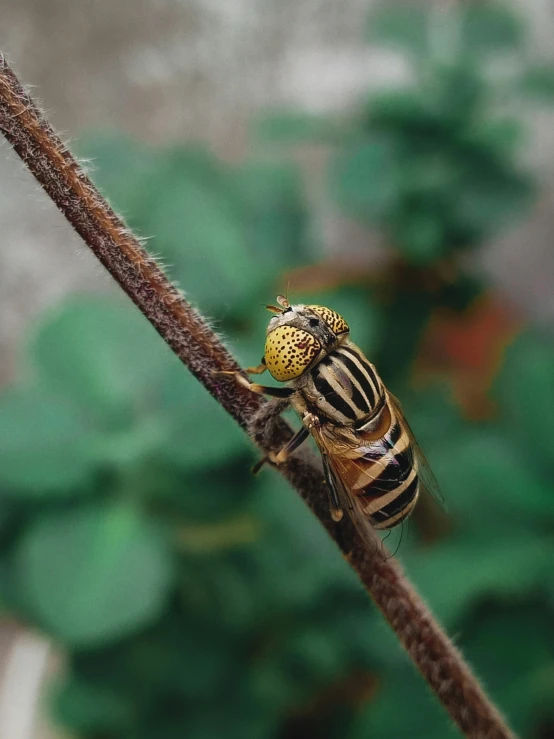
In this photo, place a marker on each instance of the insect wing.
(428, 481)
(349, 503)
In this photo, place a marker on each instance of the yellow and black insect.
(372, 463)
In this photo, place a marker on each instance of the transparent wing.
(427, 478)
(349, 503)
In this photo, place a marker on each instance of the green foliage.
(432, 165)
(525, 387)
(62, 565)
(197, 601)
(490, 27)
(365, 178)
(403, 26)
(222, 231)
(537, 83)
(297, 127)
(99, 380)
(520, 677)
(44, 444)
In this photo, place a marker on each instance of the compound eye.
(336, 323)
(289, 352)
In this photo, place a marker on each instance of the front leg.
(261, 425)
(274, 392)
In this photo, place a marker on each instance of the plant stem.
(198, 347)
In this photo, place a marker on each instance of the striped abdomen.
(367, 441)
(381, 471)
(388, 487)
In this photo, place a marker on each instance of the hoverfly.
(373, 466)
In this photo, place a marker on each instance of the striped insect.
(373, 465)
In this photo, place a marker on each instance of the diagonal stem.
(198, 347)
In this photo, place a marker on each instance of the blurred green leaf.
(311, 650)
(498, 138)
(227, 589)
(485, 467)
(297, 127)
(195, 433)
(405, 320)
(94, 574)
(197, 224)
(455, 94)
(273, 206)
(403, 26)
(187, 202)
(102, 353)
(295, 576)
(461, 294)
(419, 235)
(537, 83)
(403, 707)
(525, 389)
(364, 179)
(235, 718)
(433, 414)
(489, 27)
(44, 444)
(92, 708)
(489, 199)
(405, 111)
(137, 397)
(5, 514)
(480, 564)
(121, 168)
(512, 649)
(181, 654)
(212, 494)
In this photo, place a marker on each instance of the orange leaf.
(467, 349)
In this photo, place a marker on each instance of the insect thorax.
(343, 388)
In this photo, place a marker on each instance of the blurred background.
(395, 163)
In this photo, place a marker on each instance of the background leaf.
(95, 574)
(364, 179)
(405, 27)
(44, 444)
(537, 83)
(490, 27)
(529, 364)
(103, 354)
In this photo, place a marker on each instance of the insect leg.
(274, 392)
(299, 438)
(336, 508)
(260, 369)
(261, 425)
(282, 456)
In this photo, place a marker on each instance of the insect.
(372, 463)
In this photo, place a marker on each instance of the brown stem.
(202, 352)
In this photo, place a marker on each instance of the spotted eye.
(336, 323)
(314, 322)
(289, 352)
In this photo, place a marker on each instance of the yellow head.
(299, 336)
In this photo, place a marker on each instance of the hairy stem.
(190, 337)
